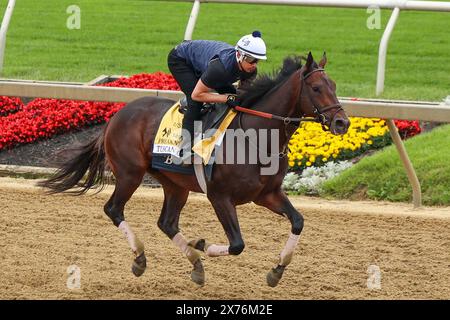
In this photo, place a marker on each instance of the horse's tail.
(90, 156)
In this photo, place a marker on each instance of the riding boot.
(191, 114)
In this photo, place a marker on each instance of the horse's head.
(318, 96)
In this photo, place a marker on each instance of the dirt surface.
(41, 236)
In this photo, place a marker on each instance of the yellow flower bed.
(310, 145)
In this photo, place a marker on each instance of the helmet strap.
(239, 59)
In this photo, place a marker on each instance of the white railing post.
(410, 172)
(383, 50)
(4, 29)
(192, 20)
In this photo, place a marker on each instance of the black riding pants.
(187, 80)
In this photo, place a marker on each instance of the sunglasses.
(251, 60)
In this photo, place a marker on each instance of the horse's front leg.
(226, 212)
(279, 203)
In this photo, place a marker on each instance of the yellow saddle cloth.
(168, 138)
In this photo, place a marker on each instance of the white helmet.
(252, 45)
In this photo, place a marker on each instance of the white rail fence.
(387, 109)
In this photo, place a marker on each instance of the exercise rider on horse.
(201, 66)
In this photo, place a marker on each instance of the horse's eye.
(316, 89)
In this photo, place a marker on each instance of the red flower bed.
(43, 118)
(157, 80)
(9, 105)
(407, 129)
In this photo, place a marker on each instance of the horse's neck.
(282, 101)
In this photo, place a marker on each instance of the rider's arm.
(203, 93)
(212, 78)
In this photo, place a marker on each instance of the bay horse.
(125, 146)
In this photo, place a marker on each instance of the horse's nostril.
(341, 125)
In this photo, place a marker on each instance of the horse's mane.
(252, 92)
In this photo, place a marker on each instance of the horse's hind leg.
(279, 203)
(125, 187)
(174, 200)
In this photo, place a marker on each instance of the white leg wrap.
(130, 236)
(181, 243)
(216, 251)
(288, 251)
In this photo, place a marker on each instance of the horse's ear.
(309, 62)
(323, 61)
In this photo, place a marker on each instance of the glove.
(232, 101)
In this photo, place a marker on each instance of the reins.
(286, 120)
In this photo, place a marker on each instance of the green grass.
(129, 37)
(382, 177)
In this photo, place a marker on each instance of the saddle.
(215, 119)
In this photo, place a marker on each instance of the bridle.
(319, 112)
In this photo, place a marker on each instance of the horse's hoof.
(274, 276)
(139, 265)
(198, 273)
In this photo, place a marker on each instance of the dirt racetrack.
(41, 236)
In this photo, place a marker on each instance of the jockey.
(201, 66)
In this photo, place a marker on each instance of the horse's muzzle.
(339, 125)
